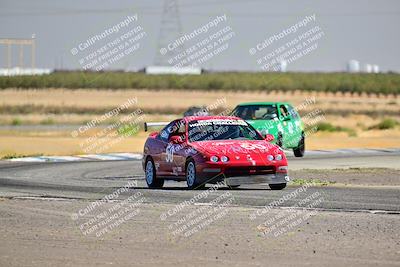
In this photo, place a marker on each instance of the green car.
(278, 119)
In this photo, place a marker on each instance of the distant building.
(283, 66)
(375, 68)
(368, 68)
(172, 70)
(24, 71)
(353, 66)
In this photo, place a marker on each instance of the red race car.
(210, 149)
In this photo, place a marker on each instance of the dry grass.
(61, 143)
(87, 98)
(356, 122)
(65, 119)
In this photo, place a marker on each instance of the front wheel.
(151, 177)
(299, 151)
(277, 186)
(192, 178)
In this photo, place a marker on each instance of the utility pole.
(33, 52)
(21, 56)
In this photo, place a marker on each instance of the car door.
(172, 157)
(286, 126)
(163, 158)
(179, 151)
(297, 126)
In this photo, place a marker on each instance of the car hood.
(266, 126)
(235, 147)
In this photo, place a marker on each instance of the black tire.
(277, 186)
(279, 141)
(192, 179)
(301, 148)
(151, 176)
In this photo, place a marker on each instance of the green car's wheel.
(300, 149)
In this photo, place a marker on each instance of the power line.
(152, 10)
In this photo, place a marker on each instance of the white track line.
(137, 156)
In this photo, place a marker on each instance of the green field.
(321, 82)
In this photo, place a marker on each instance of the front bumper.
(235, 174)
(278, 178)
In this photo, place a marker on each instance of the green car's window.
(284, 112)
(292, 112)
(256, 112)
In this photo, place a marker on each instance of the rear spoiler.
(153, 124)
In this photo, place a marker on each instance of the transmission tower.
(170, 30)
(9, 42)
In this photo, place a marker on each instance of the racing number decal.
(252, 146)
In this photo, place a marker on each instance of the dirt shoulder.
(352, 176)
(42, 233)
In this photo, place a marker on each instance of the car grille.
(249, 170)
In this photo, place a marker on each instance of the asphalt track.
(91, 180)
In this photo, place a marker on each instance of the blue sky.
(363, 30)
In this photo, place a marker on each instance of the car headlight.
(278, 157)
(224, 159)
(270, 157)
(214, 158)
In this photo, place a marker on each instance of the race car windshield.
(256, 112)
(204, 130)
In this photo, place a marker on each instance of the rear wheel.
(277, 186)
(151, 177)
(299, 151)
(192, 178)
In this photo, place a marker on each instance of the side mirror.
(269, 137)
(176, 139)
